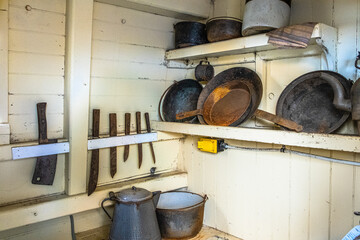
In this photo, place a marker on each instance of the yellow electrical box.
(211, 145)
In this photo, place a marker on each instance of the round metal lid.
(133, 195)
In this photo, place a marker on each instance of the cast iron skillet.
(242, 74)
(308, 101)
(180, 97)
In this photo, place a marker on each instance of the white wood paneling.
(57, 6)
(4, 64)
(15, 180)
(78, 64)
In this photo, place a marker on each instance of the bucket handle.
(112, 198)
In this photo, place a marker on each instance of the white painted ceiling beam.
(184, 9)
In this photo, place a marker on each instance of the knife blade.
(94, 166)
(113, 150)
(138, 131)
(127, 132)
(45, 167)
(148, 128)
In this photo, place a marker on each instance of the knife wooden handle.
(113, 151)
(127, 132)
(94, 166)
(138, 130)
(147, 120)
(42, 123)
(148, 128)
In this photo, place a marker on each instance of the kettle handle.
(102, 206)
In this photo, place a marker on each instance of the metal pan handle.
(184, 115)
(278, 120)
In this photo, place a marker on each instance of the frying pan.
(181, 96)
(229, 102)
(224, 105)
(308, 100)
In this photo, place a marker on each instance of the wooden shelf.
(324, 36)
(206, 233)
(47, 208)
(288, 138)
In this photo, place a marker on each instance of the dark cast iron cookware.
(245, 75)
(180, 97)
(189, 33)
(310, 100)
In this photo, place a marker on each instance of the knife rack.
(61, 148)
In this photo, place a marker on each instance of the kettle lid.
(133, 195)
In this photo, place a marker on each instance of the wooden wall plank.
(111, 69)
(32, 42)
(57, 6)
(77, 79)
(26, 104)
(104, 50)
(130, 35)
(165, 161)
(24, 127)
(341, 214)
(133, 18)
(35, 84)
(320, 200)
(299, 197)
(25, 63)
(19, 174)
(37, 21)
(4, 107)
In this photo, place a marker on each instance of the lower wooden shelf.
(281, 137)
(206, 233)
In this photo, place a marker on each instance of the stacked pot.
(259, 16)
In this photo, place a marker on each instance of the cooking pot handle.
(112, 198)
(162, 98)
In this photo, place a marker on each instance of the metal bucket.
(180, 214)
(223, 28)
(265, 15)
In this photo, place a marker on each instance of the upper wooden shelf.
(281, 137)
(324, 35)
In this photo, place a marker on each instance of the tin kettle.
(134, 215)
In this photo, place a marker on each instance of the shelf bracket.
(327, 41)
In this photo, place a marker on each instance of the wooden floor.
(206, 233)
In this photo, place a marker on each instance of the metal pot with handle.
(134, 215)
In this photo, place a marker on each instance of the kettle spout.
(156, 197)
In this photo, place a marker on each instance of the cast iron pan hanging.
(308, 101)
(180, 97)
(244, 75)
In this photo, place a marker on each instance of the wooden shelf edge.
(244, 45)
(307, 140)
(38, 210)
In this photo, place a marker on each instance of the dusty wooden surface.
(206, 233)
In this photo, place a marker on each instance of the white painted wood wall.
(259, 195)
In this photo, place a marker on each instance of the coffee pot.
(134, 216)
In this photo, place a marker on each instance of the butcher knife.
(45, 167)
(113, 150)
(148, 128)
(94, 166)
(127, 132)
(138, 131)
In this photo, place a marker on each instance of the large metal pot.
(265, 15)
(189, 33)
(180, 214)
(223, 28)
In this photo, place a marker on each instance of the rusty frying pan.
(225, 105)
(229, 102)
